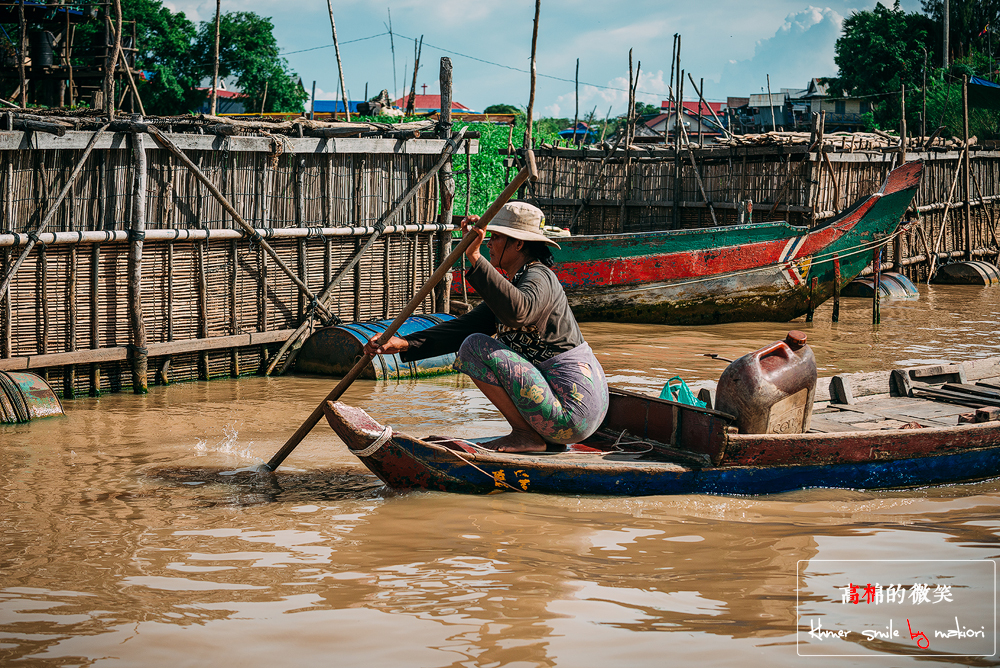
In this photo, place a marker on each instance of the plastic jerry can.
(771, 390)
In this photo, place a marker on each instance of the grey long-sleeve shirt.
(535, 298)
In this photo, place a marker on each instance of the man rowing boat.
(538, 371)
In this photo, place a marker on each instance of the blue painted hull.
(406, 463)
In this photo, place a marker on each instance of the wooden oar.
(530, 171)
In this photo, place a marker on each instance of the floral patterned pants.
(564, 398)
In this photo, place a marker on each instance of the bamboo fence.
(118, 282)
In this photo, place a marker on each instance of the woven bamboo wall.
(69, 301)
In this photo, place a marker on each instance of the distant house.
(226, 101)
(582, 135)
(842, 113)
(771, 111)
(425, 104)
(665, 123)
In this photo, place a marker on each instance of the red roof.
(692, 106)
(428, 102)
(221, 93)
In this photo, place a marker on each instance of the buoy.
(974, 272)
(25, 397)
(333, 351)
(893, 286)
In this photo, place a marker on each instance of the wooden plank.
(119, 353)
(826, 426)
(975, 390)
(961, 398)
(987, 367)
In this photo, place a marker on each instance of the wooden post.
(576, 116)
(836, 288)
(700, 126)
(6, 333)
(69, 371)
(678, 110)
(20, 55)
(203, 368)
(416, 67)
(770, 104)
(234, 325)
(531, 89)
(215, 57)
(876, 284)
(112, 64)
(340, 67)
(95, 317)
(446, 184)
(902, 125)
(137, 353)
(812, 294)
(965, 167)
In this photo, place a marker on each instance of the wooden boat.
(895, 429)
(768, 271)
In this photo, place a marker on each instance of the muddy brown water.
(134, 533)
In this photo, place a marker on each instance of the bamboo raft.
(195, 247)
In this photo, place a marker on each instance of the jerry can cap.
(796, 338)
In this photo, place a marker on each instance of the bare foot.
(517, 441)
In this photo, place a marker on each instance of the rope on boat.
(376, 444)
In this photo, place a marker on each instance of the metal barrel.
(25, 397)
(334, 350)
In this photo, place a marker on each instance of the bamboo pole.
(131, 81)
(95, 317)
(530, 171)
(446, 180)
(137, 353)
(416, 68)
(836, 288)
(531, 89)
(340, 67)
(966, 168)
(20, 60)
(112, 65)
(576, 116)
(53, 208)
(215, 57)
(253, 234)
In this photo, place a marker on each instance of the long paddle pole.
(529, 171)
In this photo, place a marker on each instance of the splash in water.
(229, 444)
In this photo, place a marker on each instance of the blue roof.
(334, 106)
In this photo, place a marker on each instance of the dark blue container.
(892, 286)
(333, 351)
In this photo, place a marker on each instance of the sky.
(734, 45)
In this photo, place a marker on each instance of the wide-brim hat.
(520, 220)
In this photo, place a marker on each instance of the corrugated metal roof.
(776, 100)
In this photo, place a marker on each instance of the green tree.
(502, 109)
(248, 51)
(164, 41)
(881, 50)
(966, 21)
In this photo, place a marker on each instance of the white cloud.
(802, 48)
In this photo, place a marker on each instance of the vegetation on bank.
(883, 49)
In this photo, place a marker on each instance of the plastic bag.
(680, 393)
